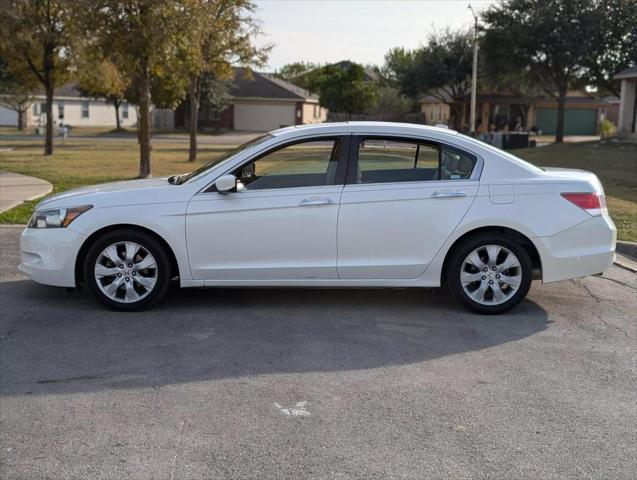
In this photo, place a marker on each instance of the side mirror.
(226, 184)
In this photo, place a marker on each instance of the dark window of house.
(124, 110)
(85, 109)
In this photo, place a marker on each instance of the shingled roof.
(244, 85)
(264, 85)
(68, 90)
(628, 73)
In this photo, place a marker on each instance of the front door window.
(305, 164)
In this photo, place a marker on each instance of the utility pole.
(474, 73)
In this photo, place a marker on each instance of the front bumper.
(585, 249)
(48, 255)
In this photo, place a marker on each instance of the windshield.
(226, 156)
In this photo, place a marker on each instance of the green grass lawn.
(78, 163)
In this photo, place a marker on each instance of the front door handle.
(308, 202)
(448, 194)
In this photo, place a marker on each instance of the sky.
(325, 31)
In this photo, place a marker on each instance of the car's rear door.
(281, 222)
(403, 198)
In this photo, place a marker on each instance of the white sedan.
(358, 204)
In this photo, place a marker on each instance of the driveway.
(296, 384)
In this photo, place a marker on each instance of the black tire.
(468, 245)
(152, 245)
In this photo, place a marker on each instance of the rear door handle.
(308, 202)
(448, 194)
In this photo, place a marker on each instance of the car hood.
(145, 191)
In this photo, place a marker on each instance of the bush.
(607, 130)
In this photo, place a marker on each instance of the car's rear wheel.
(127, 270)
(490, 273)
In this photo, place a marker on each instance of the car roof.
(361, 127)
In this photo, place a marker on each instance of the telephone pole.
(474, 73)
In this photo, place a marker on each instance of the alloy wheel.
(126, 272)
(491, 274)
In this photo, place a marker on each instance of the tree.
(561, 43)
(292, 71)
(102, 79)
(15, 94)
(34, 38)
(305, 75)
(441, 68)
(216, 92)
(390, 104)
(221, 34)
(616, 45)
(399, 70)
(496, 77)
(345, 89)
(145, 40)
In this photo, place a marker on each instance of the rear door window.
(385, 160)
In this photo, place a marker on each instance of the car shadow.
(54, 342)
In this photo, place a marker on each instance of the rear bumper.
(585, 249)
(48, 255)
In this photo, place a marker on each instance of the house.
(504, 109)
(627, 122)
(259, 102)
(70, 108)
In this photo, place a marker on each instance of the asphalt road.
(295, 384)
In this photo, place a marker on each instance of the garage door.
(576, 121)
(262, 117)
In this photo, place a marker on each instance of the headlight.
(57, 218)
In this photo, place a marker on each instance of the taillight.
(592, 202)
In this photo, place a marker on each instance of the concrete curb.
(626, 263)
(628, 249)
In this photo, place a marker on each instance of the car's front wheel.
(127, 270)
(490, 273)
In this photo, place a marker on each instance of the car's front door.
(280, 223)
(402, 200)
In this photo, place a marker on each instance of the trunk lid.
(575, 175)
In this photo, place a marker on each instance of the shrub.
(607, 130)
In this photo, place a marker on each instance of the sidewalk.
(16, 188)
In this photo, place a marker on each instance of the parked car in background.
(359, 204)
